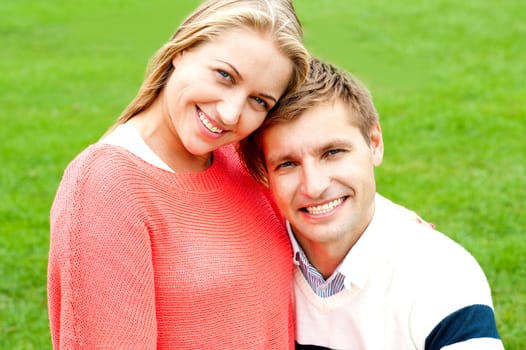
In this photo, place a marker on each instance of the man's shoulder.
(419, 244)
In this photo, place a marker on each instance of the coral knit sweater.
(142, 258)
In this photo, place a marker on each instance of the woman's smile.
(208, 123)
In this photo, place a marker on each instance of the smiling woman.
(213, 97)
(159, 238)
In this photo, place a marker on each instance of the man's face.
(321, 172)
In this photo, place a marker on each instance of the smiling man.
(368, 275)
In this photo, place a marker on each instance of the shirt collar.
(295, 245)
(372, 248)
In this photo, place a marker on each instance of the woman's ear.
(177, 58)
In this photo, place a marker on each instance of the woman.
(159, 238)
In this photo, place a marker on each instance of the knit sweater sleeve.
(453, 305)
(100, 275)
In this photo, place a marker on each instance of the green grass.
(447, 78)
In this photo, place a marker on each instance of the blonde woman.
(159, 238)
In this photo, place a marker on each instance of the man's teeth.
(209, 125)
(324, 208)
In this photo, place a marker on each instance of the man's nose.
(314, 180)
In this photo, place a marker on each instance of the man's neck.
(325, 257)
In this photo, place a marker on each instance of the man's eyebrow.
(270, 97)
(273, 159)
(336, 143)
(277, 158)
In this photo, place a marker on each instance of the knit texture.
(142, 258)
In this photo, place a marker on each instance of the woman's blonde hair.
(209, 21)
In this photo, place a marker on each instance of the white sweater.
(407, 286)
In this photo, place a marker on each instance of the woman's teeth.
(209, 125)
(324, 208)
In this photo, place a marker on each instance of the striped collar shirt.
(323, 288)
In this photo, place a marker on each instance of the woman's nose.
(230, 109)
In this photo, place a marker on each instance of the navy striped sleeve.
(470, 322)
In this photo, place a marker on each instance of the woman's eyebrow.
(233, 68)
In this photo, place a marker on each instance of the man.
(367, 276)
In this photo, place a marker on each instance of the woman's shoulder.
(100, 159)
(99, 164)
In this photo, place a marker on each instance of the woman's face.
(221, 91)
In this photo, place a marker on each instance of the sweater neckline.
(208, 180)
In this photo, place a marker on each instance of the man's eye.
(285, 165)
(333, 152)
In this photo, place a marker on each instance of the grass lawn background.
(447, 78)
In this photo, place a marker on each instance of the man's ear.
(377, 144)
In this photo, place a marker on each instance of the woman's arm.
(100, 279)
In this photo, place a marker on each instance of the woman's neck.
(166, 144)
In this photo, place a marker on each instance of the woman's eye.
(224, 74)
(260, 102)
